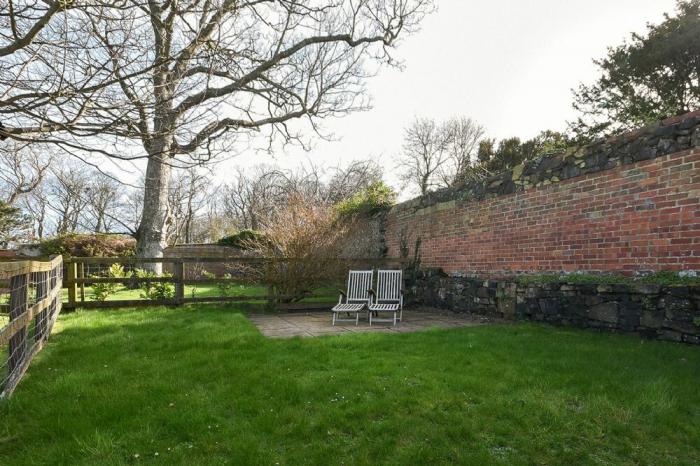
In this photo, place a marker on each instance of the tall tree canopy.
(651, 77)
(184, 80)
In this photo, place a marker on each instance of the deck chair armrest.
(342, 296)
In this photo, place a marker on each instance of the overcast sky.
(509, 64)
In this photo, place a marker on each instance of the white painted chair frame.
(388, 297)
(357, 297)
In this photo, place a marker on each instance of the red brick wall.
(641, 216)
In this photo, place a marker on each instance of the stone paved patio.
(314, 324)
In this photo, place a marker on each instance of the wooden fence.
(190, 272)
(31, 302)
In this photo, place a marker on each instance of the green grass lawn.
(207, 290)
(200, 385)
(204, 290)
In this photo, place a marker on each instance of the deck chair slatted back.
(359, 284)
(389, 285)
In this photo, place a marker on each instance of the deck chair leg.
(334, 319)
(357, 319)
(394, 319)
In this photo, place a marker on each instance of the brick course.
(636, 217)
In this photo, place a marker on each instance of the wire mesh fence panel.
(30, 304)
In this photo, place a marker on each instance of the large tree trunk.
(151, 235)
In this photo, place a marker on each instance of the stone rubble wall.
(653, 311)
(365, 238)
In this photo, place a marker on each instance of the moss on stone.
(664, 278)
(517, 172)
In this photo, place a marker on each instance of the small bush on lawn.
(244, 239)
(155, 290)
(102, 291)
(378, 196)
(92, 245)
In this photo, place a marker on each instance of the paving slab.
(318, 323)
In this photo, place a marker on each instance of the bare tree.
(75, 197)
(132, 206)
(36, 84)
(254, 195)
(214, 224)
(36, 204)
(437, 155)
(257, 195)
(103, 203)
(189, 192)
(47, 76)
(21, 21)
(67, 193)
(352, 179)
(22, 169)
(176, 77)
(425, 152)
(463, 136)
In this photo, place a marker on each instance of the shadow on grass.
(203, 386)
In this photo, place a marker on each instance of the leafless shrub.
(302, 245)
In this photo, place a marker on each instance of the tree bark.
(98, 225)
(151, 234)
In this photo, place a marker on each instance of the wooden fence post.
(42, 291)
(18, 306)
(179, 276)
(55, 302)
(72, 269)
(81, 274)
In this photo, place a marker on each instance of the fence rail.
(31, 303)
(194, 272)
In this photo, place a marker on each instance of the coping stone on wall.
(666, 137)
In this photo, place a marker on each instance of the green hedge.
(375, 198)
(90, 245)
(244, 239)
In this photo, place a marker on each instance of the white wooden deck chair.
(388, 299)
(357, 297)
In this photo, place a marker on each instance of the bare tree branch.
(181, 82)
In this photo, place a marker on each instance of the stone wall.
(654, 311)
(366, 238)
(627, 204)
